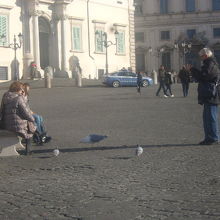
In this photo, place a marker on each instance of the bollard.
(78, 80)
(155, 77)
(47, 78)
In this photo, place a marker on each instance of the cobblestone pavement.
(173, 179)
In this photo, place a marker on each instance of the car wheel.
(116, 84)
(145, 83)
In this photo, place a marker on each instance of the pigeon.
(56, 152)
(93, 138)
(139, 150)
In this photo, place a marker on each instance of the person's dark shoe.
(212, 142)
(208, 142)
(203, 142)
(48, 139)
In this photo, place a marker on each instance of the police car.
(125, 78)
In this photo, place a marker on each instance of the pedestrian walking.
(174, 76)
(161, 79)
(207, 78)
(139, 81)
(168, 83)
(184, 77)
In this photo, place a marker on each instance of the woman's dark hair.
(16, 86)
(26, 85)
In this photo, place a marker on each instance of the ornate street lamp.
(107, 43)
(185, 46)
(16, 45)
(157, 54)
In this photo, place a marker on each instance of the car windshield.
(114, 74)
(131, 74)
(123, 73)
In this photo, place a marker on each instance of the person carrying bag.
(208, 94)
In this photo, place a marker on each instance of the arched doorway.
(44, 34)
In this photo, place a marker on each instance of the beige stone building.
(59, 33)
(171, 32)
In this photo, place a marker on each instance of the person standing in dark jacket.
(209, 73)
(185, 79)
(139, 81)
(161, 78)
(168, 83)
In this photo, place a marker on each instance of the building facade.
(171, 32)
(97, 34)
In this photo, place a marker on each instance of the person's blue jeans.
(210, 122)
(39, 123)
(185, 87)
(162, 85)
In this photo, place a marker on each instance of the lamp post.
(16, 45)
(106, 43)
(186, 47)
(159, 51)
(156, 54)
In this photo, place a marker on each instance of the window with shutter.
(216, 32)
(190, 5)
(99, 41)
(3, 73)
(215, 5)
(191, 33)
(165, 35)
(3, 29)
(121, 42)
(164, 7)
(139, 37)
(77, 40)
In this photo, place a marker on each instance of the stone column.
(60, 12)
(27, 56)
(131, 37)
(36, 44)
(64, 66)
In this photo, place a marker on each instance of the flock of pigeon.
(94, 138)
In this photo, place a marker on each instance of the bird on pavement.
(56, 152)
(139, 150)
(93, 138)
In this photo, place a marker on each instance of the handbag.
(208, 90)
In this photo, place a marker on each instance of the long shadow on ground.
(67, 150)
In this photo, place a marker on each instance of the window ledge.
(120, 54)
(99, 52)
(77, 51)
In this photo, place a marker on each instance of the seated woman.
(16, 115)
(40, 136)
